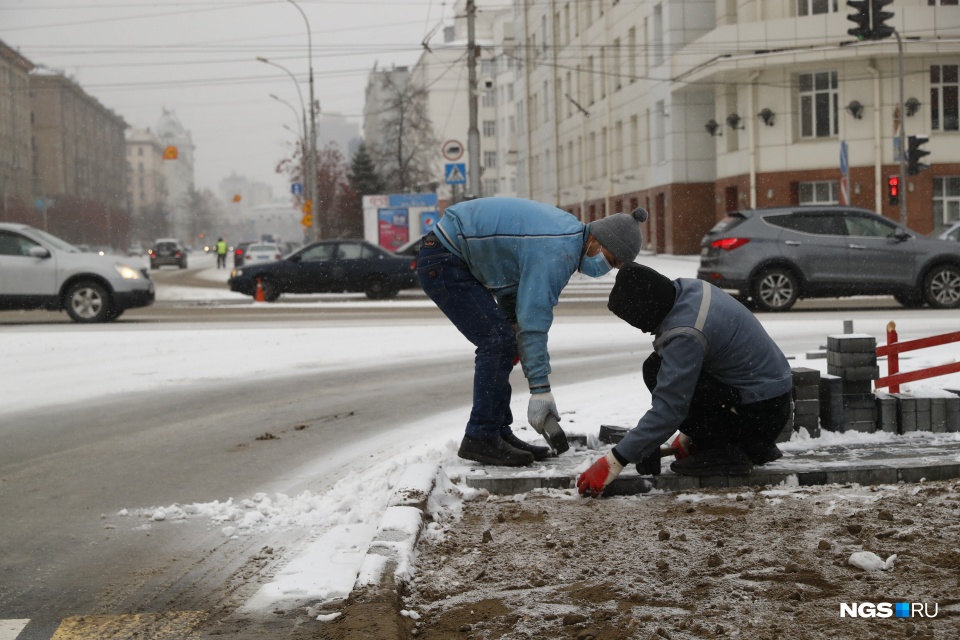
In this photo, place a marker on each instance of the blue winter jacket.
(518, 248)
(706, 331)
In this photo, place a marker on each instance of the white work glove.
(595, 479)
(540, 406)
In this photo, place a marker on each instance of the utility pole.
(903, 139)
(473, 133)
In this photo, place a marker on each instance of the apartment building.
(693, 109)
(147, 188)
(178, 171)
(16, 179)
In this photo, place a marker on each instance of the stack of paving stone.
(929, 411)
(806, 404)
(853, 358)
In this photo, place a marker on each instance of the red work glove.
(595, 479)
(682, 444)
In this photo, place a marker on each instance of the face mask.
(595, 266)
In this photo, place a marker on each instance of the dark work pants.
(718, 419)
(474, 311)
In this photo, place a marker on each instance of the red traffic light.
(893, 189)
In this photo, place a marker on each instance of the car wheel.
(183, 265)
(941, 287)
(88, 301)
(153, 266)
(378, 288)
(909, 300)
(775, 289)
(271, 291)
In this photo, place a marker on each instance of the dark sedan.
(330, 266)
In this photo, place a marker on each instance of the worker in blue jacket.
(495, 267)
(715, 375)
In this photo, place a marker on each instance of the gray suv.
(773, 257)
(40, 271)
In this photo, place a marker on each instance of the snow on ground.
(60, 365)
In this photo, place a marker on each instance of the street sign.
(456, 173)
(307, 220)
(452, 150)
(844, 174)
(296, 188)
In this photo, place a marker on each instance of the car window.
(351, 251)
(14, 244)
(318, 253)
(866, 226)
(821, 224)
(262, 247)
(727, 223)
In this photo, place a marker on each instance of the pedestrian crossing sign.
(456, 173)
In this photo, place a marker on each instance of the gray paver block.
(851, 343)
(714, 482)
(863, 475)
(855, 374)
(865, 359)
(938, 415)
(806, 407)
(803, 376)
(806, 421)
(953, 414)
(887, 413)
(807, 392)
(812, 478)
(860, 415)
(611, 434)
(923, 421)
(858, 386)
(945, 471)
(859, 400)
(864, 426)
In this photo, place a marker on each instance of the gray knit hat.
(620, 234)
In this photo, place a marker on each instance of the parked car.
(40, 271)
(135, 249)
(238, 253)
(952, 234)
(168, 252)
(773, 257)
(330, 266)
(260, 253)
(410, 248)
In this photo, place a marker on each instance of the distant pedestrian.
(715, 374)
(221, 254)
(495, 267)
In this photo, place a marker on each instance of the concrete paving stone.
(956, 392)
(611, 434)
(816, 355)
(938, 415)
(812, 478)
(803, 376)
(632, 485)
(863, 475)
(859, 400)
(806, 407)
(924, 403)
(851, 343)
(863, 426)
(855, 374)
(887, 413)
(858, 386)
(860, 415)
(714, 482)
(953, 415)
(838, 359)
(806, 421)
(924, 423)
(807, 392)
(945, 471)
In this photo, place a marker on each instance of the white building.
(178, 171)
(146, 182)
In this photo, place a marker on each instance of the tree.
(364, 178)
(404, 152)
(202, 211)
(338, 218)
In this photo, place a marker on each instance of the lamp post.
(312, 164)
(309, 151)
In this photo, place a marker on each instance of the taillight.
(277, 257)
(729, 244)
(238, 252)
(413, 266)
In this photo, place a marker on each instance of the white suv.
(40, 271)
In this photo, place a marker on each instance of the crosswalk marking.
(178, 625)
(10, 629)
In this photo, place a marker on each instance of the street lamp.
(313, 131)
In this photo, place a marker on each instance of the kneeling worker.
(715, 374)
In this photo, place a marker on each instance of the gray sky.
(198, 57)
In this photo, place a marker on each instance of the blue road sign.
(456, 173)
(844, 158)
(296, 188)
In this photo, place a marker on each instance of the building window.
(658, 35)
(944, 112)
(813, 7)
(490, 159)
(489, 98)
(489, 187)
(489, 128)
(824, 192)
(946, 199)
(615, 65)
(632, 53)
(659, 134)
(546, 101)
(943, 3)
(818, 104)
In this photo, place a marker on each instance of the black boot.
(764, 455)
(723, 461)
(539, 453)
(493, 451)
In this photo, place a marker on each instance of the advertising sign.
(428, 220)
(393, 229)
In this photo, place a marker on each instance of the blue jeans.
(447, 280)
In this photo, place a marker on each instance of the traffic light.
(879, 30)
(861, 18)
(915, 153)
(893, 190)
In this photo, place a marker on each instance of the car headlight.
(127, 272)
(236, 273)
